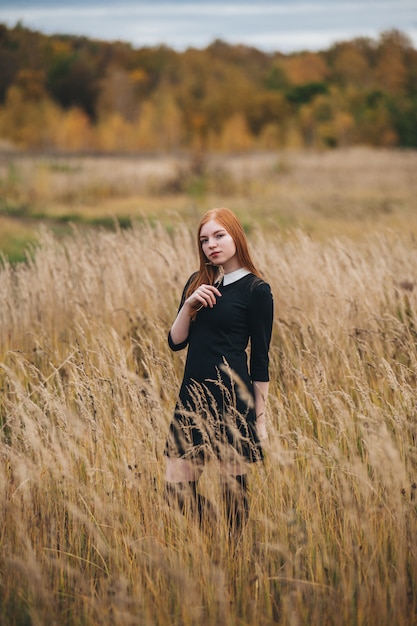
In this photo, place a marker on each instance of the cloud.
(287, 26)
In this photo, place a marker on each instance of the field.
(88, 385)
(337, 193)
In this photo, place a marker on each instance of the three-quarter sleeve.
(261, 314)
(175, 347)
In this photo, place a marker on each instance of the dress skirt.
(212, 420)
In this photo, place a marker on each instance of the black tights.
(235, 497)
(234, 492)
(190, 502)
(184, 496)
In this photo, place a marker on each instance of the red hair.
(207, 272)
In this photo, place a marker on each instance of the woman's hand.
(204, 296)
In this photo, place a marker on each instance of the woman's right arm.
(181, 326)
(204, 296)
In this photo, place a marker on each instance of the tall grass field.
(87, 390)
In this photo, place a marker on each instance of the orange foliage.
(138, 76)
(304, 68)
(391, 72)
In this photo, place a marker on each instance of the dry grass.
(88, 387)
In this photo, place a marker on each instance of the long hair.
(208, 272)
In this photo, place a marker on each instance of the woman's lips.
(214, 254)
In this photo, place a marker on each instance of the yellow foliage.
(344, 125)
(74, 131)
(146, 127)
(235, 135)
(28, 124)
(293, 136)
(59, 47)
(114, 133)
(271, 137)
(168, 122)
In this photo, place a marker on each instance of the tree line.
(67, 93)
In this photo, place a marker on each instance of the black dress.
(215, 414)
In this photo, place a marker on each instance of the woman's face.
(218, 246)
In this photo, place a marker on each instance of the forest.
(73, 94)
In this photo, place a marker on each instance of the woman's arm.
(204, 296)
(260, 390)
(181, 326)
(261, 313)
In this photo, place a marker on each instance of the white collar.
(232, 277)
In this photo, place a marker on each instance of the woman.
(220, 412)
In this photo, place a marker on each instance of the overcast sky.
(271, 25)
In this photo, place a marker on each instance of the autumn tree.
(350, 66)
(306, 67)
(25, 122)
(391, 71)
(72, 93)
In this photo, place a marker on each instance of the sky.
(270, 25)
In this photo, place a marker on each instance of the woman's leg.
(235, 497)
(182, 471)
(182, 495)
(181, 480)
